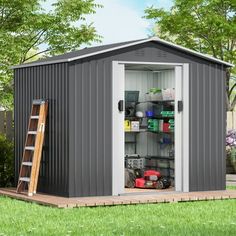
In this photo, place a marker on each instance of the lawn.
(190, 218)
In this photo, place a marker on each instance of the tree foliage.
(27, 32)
(207, 26)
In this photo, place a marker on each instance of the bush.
(6, 162)
(231, 151)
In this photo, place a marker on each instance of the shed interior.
(149, 127)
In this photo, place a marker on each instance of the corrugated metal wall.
(90, 129)
(91, 126)
(45, 82)
(207, 127)
(78, 154)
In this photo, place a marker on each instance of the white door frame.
(181, 131)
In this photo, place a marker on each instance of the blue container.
(149, 113)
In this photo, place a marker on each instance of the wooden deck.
(139, 198)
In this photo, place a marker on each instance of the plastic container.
(166, 127)
(127, 125)
(153, 125)
(149, 113)
(168, 94)
(167, 113)
(134, 125)
(156, 97)
(164, 113)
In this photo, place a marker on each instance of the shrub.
(231, 151)
(6, 162)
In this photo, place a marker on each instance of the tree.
(28, 32)
(207, 26)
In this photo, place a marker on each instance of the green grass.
(231, 187)
(190, 218)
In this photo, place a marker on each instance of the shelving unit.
(168, 104)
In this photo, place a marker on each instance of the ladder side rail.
(35, 155)
(44, 118)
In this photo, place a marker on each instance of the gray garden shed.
(88, 90)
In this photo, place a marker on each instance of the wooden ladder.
(30, 165)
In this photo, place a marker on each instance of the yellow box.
(127, 124)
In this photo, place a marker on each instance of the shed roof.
(92, 51)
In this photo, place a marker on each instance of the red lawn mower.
(134, 178)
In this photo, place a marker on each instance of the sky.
(122, 20)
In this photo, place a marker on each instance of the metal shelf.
(146, 130)
(157, 102)
(160, 157)
(153, 117)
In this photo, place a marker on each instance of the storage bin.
(127, 125)
(135, 125)
(156, 97)
(168, 94)
(166, 127)
(155, 94)
(153, 125)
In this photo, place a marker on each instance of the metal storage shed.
(82, 153)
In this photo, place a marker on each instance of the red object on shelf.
(166, 127)
(149, 179)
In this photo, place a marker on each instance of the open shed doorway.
(148, 127)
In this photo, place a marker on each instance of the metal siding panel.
(213, 127)
(43, 82)
(79, 124)
(201, 131)
(223, 127)
(207, 122)
(93, 128)
(202, 148)
(193, 129)
(108, 128)
(80, 119)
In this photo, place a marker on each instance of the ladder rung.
(25, 179)
(27, 163)
(38, 101)
(34, 117)
(32, 132)
(31, 148)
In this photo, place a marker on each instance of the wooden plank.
(2, 121)
(9, 125)
(63, 202)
